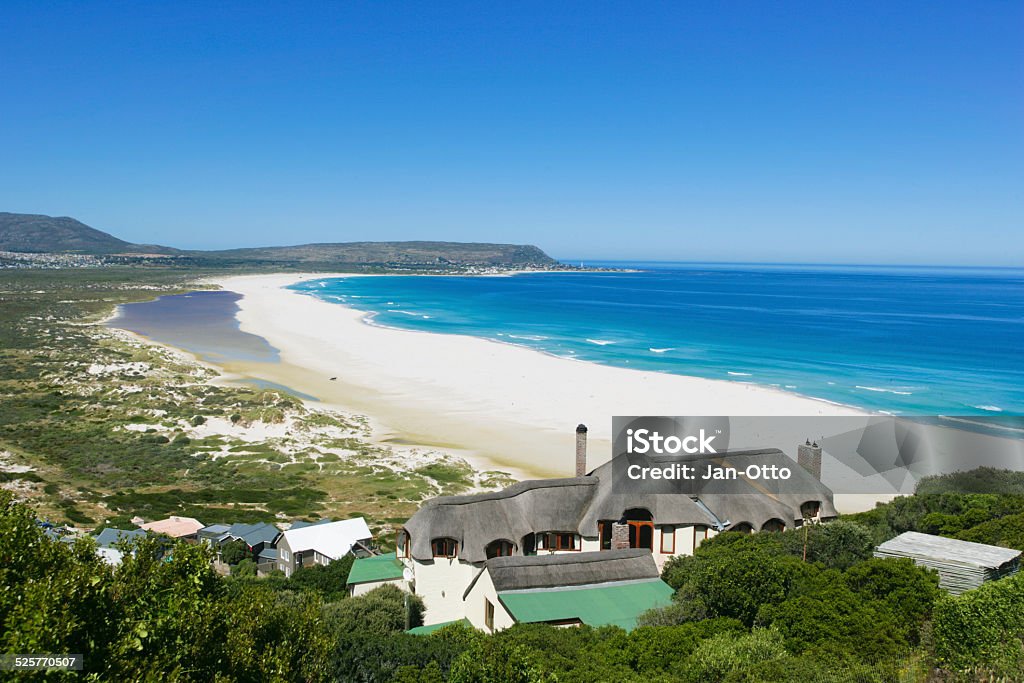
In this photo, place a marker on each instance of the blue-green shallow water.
(912, 341)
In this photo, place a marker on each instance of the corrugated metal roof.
(253, 534)
(912, 543)
(333, 540)
(961, 565)
(375, 568)
(618, 603)
(108, 537)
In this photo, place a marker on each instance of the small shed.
(372, 572)
(961, 565)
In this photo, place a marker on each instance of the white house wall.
(475, 606)
(441, 584)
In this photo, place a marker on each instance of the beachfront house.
(448, 543)
(322, 544)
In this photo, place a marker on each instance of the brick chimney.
(808, 455)
(620, 536)
(581, 450)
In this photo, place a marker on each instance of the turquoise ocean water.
(910, 341)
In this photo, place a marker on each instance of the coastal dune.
(502, 406)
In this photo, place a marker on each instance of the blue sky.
(814, 132)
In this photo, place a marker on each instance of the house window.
(604, 534)
(641, 535)
(499, 548)
(668, 539)
(530, 544)
(743, 528)
(810, 509)
(444, 547)
(559, 541)
(488, 614)
(775, 525)
(285, 555)
(700, 534)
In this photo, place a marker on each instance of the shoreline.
(499, 403)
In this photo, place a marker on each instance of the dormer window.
(499, 548)
(810, 509)
(559, 541)
(444, 547)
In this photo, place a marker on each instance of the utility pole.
(807, 524)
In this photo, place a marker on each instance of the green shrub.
(233, 552)
(981, 628)
(723, 654)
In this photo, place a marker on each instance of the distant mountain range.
(34, 233)
(26, 232)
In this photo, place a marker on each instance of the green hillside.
(34, 233)
(26, 232)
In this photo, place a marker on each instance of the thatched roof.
(570, 569)
(477, 520)
(757, 505)
(577, 505)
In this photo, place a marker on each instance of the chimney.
(620, 536)
(581, 450)
(808, 455)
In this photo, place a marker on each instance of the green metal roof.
(376, 568)
(427, 630)
(617, 604)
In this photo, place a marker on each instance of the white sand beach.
(512, 407)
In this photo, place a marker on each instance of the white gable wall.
(475, 605)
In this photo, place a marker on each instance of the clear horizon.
(793, 134)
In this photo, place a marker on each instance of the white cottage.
(322, 543)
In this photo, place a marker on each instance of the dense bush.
(983, 629)
(329, 581)
(984, 505)
(233, 552)
(747, 609)
(720, 656)
(733, 575)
